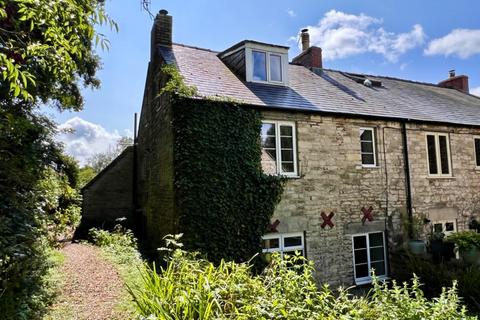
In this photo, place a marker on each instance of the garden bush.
(190, 287)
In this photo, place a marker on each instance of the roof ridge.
(194, 47)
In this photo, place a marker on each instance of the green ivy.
(225, 201)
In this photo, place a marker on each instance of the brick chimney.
(455, 82)
(311, 57)
(161, 31)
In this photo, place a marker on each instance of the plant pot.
(471, 256)
(417, 246)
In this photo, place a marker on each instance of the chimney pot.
(451, 73)
(305, 39)
(163, 12)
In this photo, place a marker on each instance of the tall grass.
(190, 287)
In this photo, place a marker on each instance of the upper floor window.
(267, 66)
(367, 147)
(438, 151)
(369, 255)
(477, 152)
(446, 227)
(279, 148)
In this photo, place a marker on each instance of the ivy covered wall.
(224, 201)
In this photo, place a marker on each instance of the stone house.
(359, 151)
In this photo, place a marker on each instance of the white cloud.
(82, 139)
(341, 35)
(462, 43)
(291, 13)
(475, 91)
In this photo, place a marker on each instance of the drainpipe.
(407, 179)
(136, 219)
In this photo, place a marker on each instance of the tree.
(46, 54)
(101, 160)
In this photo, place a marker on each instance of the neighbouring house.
(359, 152)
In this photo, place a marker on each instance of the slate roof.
(326, 91)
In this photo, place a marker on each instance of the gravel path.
(92, 286)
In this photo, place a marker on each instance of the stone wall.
(332, 179)
(155, 165)
(109, 195)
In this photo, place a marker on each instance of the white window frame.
(475, 152)
(279, 149)
(437, 154)
(281, 240)
(444, 228)
(368, 279)
(283, 53)
(374, 165)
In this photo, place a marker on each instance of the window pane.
(271, 243)
(268, 129)
(268, 142)
(366, 135)
(269, 151)
(269, 155)
(449, 226)
(444, 154)
(287, 143)
(292, 241)
(359, 242)
(477, 151)
(287, 167)
(367, 147)
(368, 159)
(376, 254)
(275, 68)
(376, 239)
(432, 155)
(437, 227)
(361, 256)
(285, 131)
(259, 66)
(361, 271)
(379, 268)
(287, 155)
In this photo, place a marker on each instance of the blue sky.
(417, 40)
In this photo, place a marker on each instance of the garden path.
(91, 286)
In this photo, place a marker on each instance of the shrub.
(120, 243)
(465, 240)
(190, 287)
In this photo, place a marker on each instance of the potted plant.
(468, 244)
(414, 227)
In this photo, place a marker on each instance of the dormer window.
(258, 62)
(266, 69)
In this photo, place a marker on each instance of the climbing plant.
(224, 199)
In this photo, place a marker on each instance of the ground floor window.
(446, 227)
(369, 254)
(283, 243)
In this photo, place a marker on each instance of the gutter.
(408, 189)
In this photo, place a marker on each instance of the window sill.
(365, 166)
(440, 177)
(369, 281)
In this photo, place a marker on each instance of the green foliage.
(47, 46)
(85, 175)
(224, 200)
(465, 240)
(437, 276)
(190, 287)
(175, 83)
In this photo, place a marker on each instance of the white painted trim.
(438, 156)
(250, 47)
(477, 167)
(278, 146)
(368, 279)
(281, 240)
(374, 142)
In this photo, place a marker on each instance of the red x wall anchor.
(273, 226)
(327, 220)
(367, 214)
